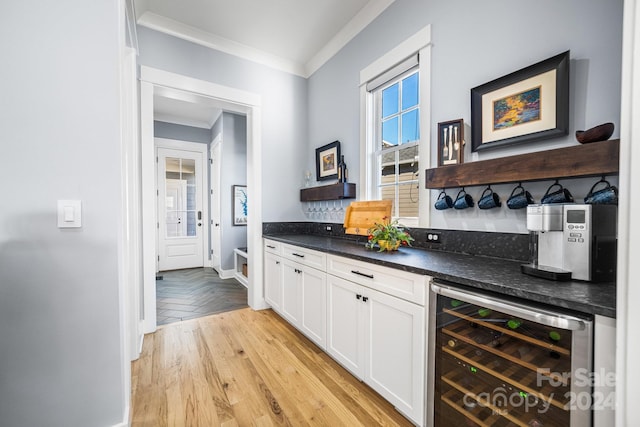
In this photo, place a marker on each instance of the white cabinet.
(273, 280)
(369, 318)
(381, 340)
(296, 288)
(273, 274)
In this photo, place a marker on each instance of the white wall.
(473, 43)
(284, 119)
(60, 343)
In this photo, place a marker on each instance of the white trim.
(628, 275)
(226, 274)
(212, 41)
(367, 14)
(396, 55)
(236, 101)
(419, 43)
(359, 22)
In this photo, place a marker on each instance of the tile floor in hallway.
(196, 292)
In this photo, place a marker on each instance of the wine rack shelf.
(594, 159)
(341, 190)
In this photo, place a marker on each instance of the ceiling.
(296, 36)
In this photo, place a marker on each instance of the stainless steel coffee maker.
(572, 241)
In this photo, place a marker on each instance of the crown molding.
(186, 32)
(371, 11)
(203, 38)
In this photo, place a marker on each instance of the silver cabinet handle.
(548, 318)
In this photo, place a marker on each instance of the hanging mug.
(489, 199)
(444, 201)
(562, 195)
(605, 196)
(463, 200)
(521, 199)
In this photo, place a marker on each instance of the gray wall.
(60, 343)
(181, 132)
(474, 43)
(284, 104)
(233, 171)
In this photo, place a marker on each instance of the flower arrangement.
(388, 235)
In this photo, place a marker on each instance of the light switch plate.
(69, 213)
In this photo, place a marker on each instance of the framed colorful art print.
(527, 105)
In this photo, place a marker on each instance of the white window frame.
(419, 43)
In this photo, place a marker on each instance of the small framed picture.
(240, 210)
(450, 142)
(327, 158)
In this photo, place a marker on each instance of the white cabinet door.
(314, 305)
(395, 349)
(291, 292)
(345, 330)
(273, 281)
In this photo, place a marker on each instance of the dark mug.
(444, 201)
(562, 195)
(519, 200)
(605, 196)
(489, 199)
(463, 200)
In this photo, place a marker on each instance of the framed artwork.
(527, 105)
(240, 205)
(450, 142)
(327, 158)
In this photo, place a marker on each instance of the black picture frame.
(451, 142)
(545, 84)
(240, 200)
(327, 158)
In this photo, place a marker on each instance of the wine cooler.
(504, 363)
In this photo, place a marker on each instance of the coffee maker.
(572, 242)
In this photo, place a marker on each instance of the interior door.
(180, 217)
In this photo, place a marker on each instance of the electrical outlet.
(434, 237)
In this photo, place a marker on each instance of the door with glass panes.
(180, 221)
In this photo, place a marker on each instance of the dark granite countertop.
(489, 274)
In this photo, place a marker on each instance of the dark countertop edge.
(577, 305)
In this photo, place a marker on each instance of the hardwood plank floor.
(247, 368)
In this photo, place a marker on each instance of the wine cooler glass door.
(500, 363)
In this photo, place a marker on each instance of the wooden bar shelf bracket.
(594, 159)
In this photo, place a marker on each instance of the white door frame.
(202, 150)
(233, 100)
(216, 229)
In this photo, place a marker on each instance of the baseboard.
(226, 274)
(126, 417)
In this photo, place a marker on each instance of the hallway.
(196, 292)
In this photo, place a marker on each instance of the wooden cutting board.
(360, 216)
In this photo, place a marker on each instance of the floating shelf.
(341, 190)
(594, 159)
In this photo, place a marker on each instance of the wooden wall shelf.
(594, 159)
(341, 190)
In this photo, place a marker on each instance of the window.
(394, 128)
(396, 151)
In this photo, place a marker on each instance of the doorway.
(154, 81)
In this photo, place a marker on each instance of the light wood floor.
(244, 368)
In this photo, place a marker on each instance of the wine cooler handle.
(547, 318)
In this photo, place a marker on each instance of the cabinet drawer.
(408, 286)
(304, 256)
(273, 247)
